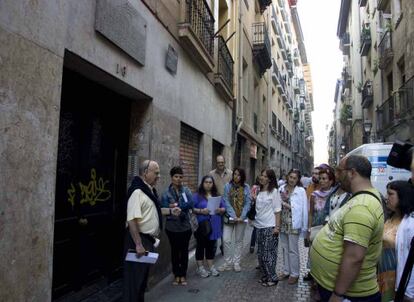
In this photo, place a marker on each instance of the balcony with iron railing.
(261, 47)
(274, 20)
(296, 57)
(382, 4)
(346, 77)
(345, 44)
(398, 107)
(296, 85)
(278, 79)
(223, 77)
(385, 52)
(367, 94)
(362, 3)
(196, 32)
(264, 4)
(365, 42)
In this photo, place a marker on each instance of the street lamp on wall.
(367, 129)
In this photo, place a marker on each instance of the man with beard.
(344, 254)
(314, 185)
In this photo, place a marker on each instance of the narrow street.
(232, 286)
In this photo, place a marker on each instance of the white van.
(381, 174)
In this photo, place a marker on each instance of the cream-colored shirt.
(142, 208)
(221, 179)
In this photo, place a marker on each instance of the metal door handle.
(83, 221)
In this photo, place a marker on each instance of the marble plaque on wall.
(122, 24)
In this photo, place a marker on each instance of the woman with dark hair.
(237, 202)
(398, 231)
(205, 248)
(267, 224)
(178, 228)
(294, 221)
(317, 214)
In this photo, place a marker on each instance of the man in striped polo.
(344, 254)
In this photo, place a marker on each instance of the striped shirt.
(361, 221)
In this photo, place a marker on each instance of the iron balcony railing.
(385, 50)
(398, 106)
(225, 63)
(365, 41)
(261, 46)
(264, 4)
(367, 94)
(345, 44)
(281, 81)
(202, 22)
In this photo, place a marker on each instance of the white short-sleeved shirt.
(267, 204)
(404, 235)
(142, 208)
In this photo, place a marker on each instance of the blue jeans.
(326, 294)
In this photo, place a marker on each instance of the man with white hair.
(144, 222)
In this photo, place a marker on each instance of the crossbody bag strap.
(369, 193)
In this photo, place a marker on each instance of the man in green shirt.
(344, 254)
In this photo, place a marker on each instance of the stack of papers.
(149, 258)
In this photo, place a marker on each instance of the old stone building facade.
(377, 103)
(88, 89)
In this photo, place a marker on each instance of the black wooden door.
(90, 184)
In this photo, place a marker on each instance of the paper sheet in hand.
(150, 258)
(213, 204)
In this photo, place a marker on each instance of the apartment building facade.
(290, 136)
(376, 38)
(91, 88)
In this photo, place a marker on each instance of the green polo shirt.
(360, 220)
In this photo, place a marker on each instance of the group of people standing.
(360, 252)
(345, 241)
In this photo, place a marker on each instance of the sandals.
(269, 283)
(183, 281)
(176, 281)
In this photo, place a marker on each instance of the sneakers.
(237, 267)
(225, 267)
(201, 271)
(214, 272)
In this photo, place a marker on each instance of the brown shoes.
(293, 280)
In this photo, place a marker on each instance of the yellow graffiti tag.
(72, 194)
(95, 190)
(92, 192)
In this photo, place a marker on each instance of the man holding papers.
(144, 223)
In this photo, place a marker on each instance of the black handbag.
(252, 212)
(204, 228)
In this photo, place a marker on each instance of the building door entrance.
(90, 185)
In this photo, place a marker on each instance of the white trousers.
(233, 255)
(290, 250)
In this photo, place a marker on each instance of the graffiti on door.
(92, 192)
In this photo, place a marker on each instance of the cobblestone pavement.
(232, 286)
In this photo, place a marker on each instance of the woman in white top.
(405, 233)
(294, 219)
(267, 224)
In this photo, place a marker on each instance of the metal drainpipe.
(239, 99)
(361, 74)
